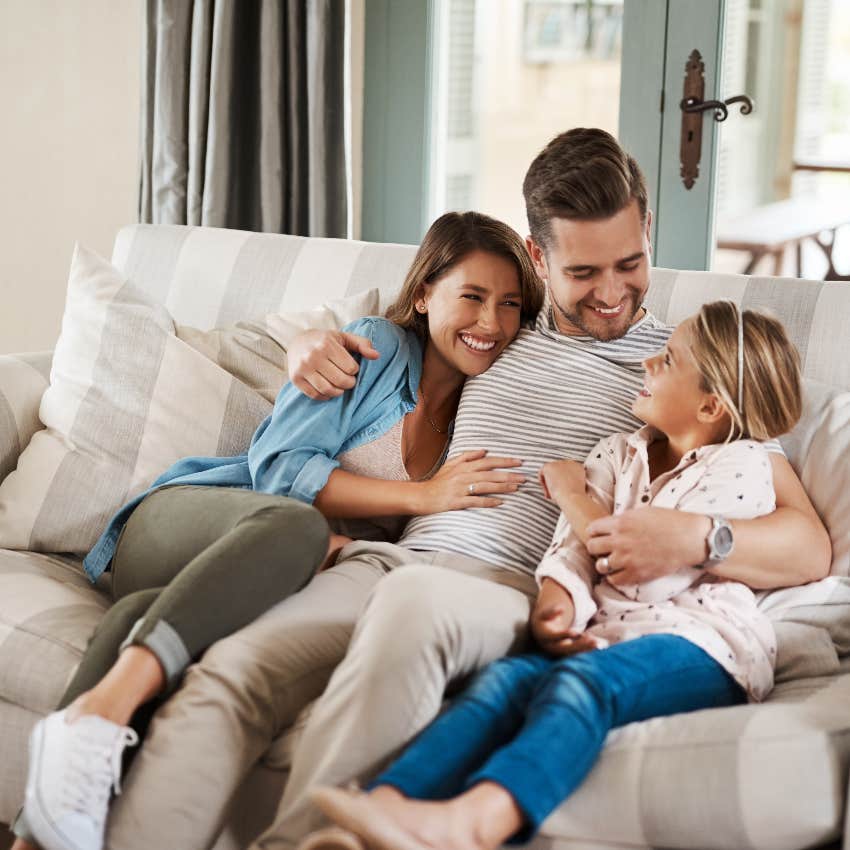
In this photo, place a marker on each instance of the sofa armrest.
(23, 380)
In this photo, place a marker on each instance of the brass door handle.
(693, 106)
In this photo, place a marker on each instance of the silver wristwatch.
(720, 541)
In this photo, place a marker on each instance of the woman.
(199, 558)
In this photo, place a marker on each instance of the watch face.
(723, 541)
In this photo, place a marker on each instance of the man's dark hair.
(580, 174)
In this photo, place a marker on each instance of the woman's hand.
(562, 477)
(320, 364)
(470, 480)
(551, 622)
(335, 545)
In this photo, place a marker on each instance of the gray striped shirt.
(547, 397)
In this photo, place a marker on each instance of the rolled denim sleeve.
(294, 451)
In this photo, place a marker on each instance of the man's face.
(597, 272)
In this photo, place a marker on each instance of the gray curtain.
(243, 115)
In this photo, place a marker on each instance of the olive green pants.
(195, 564)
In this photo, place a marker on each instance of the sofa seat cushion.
(48, 612)
(769, 776)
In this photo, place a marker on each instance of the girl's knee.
(500, 680)
(581, 679)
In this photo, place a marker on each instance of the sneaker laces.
(94, 770)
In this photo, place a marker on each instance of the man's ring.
(602, 564)
(471, 489)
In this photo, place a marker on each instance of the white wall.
(69, 100)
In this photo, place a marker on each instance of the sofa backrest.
(210, 277)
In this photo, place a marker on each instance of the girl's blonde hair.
(771, 393)
(449, 239)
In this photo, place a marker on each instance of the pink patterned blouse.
(733, 480)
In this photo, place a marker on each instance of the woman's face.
(473, 311)
(671, 397)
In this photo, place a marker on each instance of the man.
(382, 642)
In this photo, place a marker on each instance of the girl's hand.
(561, 477)
(553, 635)
(551, 622)
(470, 480)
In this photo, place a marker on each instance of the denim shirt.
(294, 450)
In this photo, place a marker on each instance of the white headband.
(740, 362)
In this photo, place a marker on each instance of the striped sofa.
(766, 776)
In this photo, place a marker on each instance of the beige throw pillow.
(812, 622)
(255, 351)
(129, 395)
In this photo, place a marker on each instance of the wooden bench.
(771, 229)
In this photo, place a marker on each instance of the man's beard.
(602, 329)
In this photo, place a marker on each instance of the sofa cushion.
(23, 380)
(823, 437)
(48, 612)
(768, 776)
(16, 724)
(812, 622)
(254, 351)
(128, 396)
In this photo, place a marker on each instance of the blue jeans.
(536, 725)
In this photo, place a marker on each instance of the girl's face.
(671, 398)
(473, 311)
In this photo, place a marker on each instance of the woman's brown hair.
(449, 239)
(772, 395)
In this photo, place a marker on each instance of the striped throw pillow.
(129, 395)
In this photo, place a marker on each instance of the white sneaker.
(72, 771)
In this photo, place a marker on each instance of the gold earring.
(421, 307)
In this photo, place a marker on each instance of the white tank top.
(380, 458)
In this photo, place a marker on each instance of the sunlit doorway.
(510, 75)
(784, 171)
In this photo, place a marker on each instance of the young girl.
(197, 559)
(528, 730)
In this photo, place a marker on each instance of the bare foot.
(481, 819)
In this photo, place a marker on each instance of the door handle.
(693, 106)
(720, 107)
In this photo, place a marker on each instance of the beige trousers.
(382, 643)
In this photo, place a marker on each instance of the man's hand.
(552, 619)
(560, 477)
(646, 543)
(320, 364)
